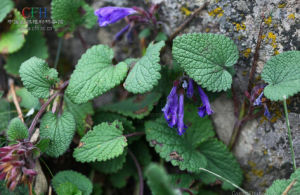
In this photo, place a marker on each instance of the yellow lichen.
(247, 52)
(239, 27)
(207, 30)
(276, 52)
(258, 172)
(216, 12)
(291, 16)
(282, 5)
(252, 164)
(268, 20)
(263, 37)
(265, 152)
(185, 11)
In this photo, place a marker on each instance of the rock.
(262, 149)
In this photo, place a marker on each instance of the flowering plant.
(154, 132)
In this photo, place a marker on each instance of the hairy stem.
(256, 56)
(289, 133)
(237, 127)
(219, 176)
(83, 42)
(138, 167)
(43, 108)
(58, 52)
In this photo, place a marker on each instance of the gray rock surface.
(262, 149)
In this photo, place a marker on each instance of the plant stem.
(135, 134)
(289, 133)
(186, 22)
(43, 108)
(83, 42)
(15, 99)
(138, 167)
(241, 189)
(58, 52)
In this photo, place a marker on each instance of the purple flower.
(110, 15)
(205, 108)
(181, 127)
(267, 113)
(257, 101)
(190, 89)
(170, 109)
(17, 164)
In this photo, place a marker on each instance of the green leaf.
(19, 190)
(13, 38)
(206, 58)
(35, 45)
(43, 145)
(161, 37)
(37, 77)
(5, 114)
(119, 179)
(27, 99)
(135, 107)
(5, 7)
(282, 73)
(181, 150)
(102, 143)
(80, 181)
(17, 130)
(95, 74)
(112, 165)
(158, 180)
(68, 189)
(80, 113)
(71, 14)
(221, 161)
(145, 73)
(60, 130)
(279, 186)
(145, 33)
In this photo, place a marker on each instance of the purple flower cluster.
(135, 15)
(17, 164)
(174, 108)
(256, 98)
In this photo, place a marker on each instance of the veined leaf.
(95, 74)
(159, 181)
(68, 188)
(71, 13)
(282, 73)
(77, 179)
(80, 113)
(112, 165)
(27, 99)
(206, 58)
(37, 77)
(13, 38)
(280, 185)
(102, 143)
(17, 130)
(181, 150)
(135, 107)
(60, 130)
(35, 45)
(145, 73)
(5, 7)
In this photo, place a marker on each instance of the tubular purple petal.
(121, 32)
(190, 89)
(257, 101)
(181, 126)
(267, 113)
(110, 15)
(205, 109)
